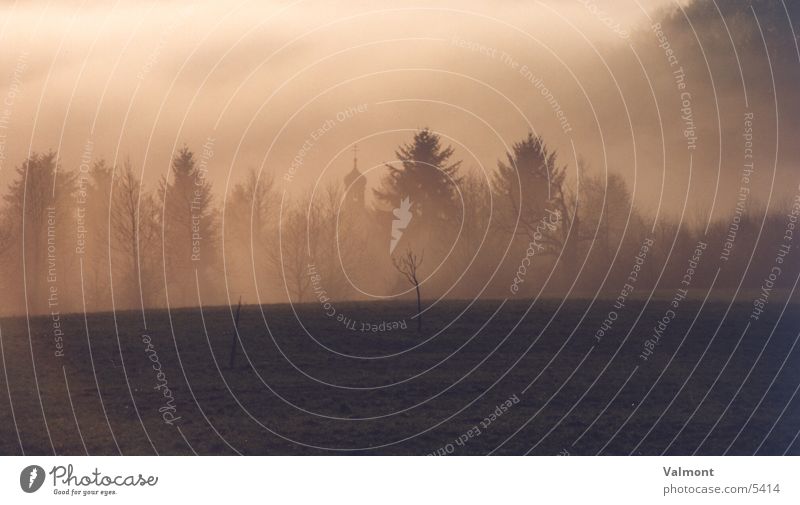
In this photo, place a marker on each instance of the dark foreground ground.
(479, 379)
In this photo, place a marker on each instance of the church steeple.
(355, 184)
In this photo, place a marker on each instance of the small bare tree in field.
(408, 265)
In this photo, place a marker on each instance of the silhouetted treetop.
(425, 175)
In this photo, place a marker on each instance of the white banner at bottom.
(399, 480)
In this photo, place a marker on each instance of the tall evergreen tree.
(528, 181)
(533, 186)
(427, 177)
(37, 208)
(190, 228)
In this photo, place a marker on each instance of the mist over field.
(659, 120)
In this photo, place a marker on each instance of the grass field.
(482, 377)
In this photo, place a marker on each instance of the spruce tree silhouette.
(190, 227)
(426, 176)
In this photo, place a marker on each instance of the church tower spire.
(355, 184)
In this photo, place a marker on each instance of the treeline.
(97, 238)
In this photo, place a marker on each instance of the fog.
(272, 96)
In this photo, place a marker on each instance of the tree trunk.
(235, 335)
(419, 310)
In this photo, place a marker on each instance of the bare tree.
(248, 215)
(94, 211)
(408, 265)
(133, 235)
(606, 209)
(288, 255)
(316, 234)
(335, 243)
(5, 234)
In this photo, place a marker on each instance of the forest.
(99, 239)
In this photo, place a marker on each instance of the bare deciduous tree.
(248, 215)
(133, 236)
(408, 265)
(288, 255)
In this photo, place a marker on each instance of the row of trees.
(98, 239)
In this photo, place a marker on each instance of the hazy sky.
(268, 82)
